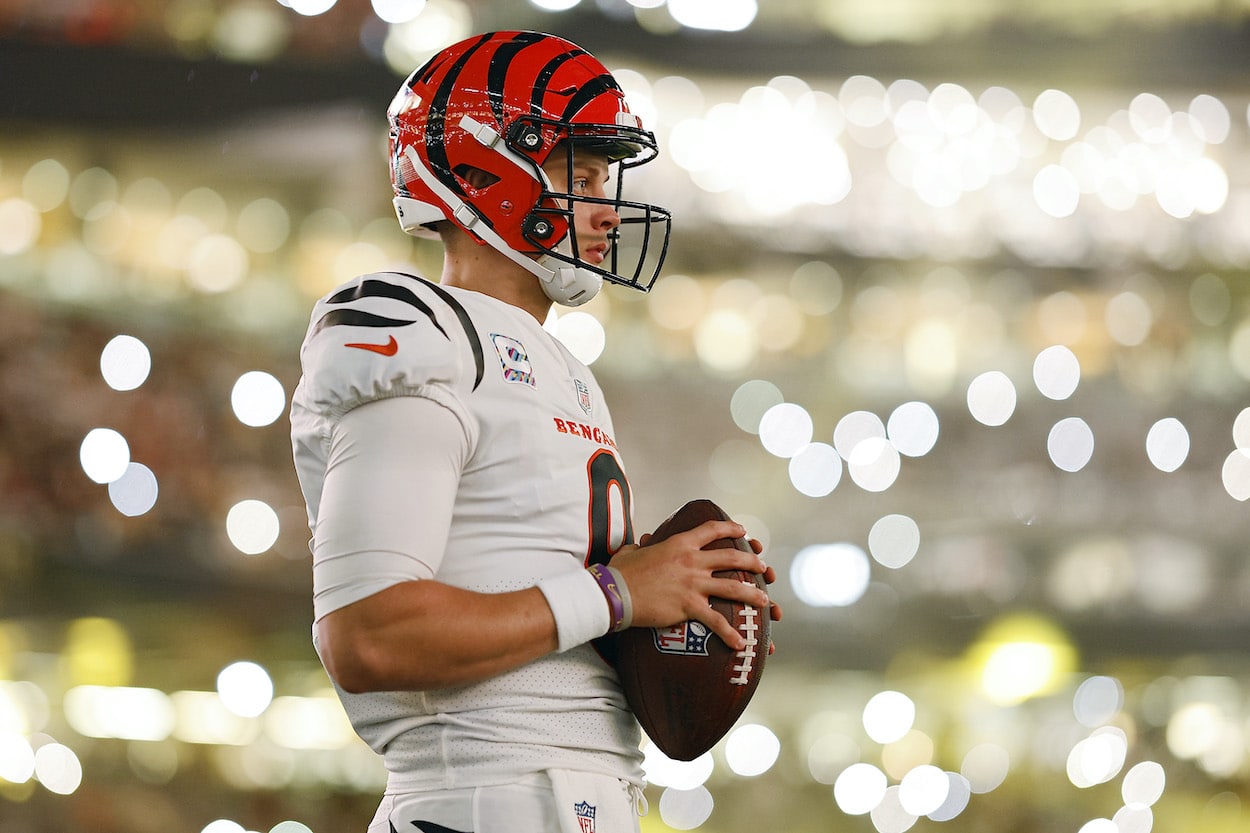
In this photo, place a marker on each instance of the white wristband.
(578, 606)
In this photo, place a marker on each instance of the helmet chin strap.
(563, 283)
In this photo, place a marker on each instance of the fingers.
(745, 592)
(709, 531)
(720, 626)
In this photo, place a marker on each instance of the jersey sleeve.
(386, 503)
(379, 337)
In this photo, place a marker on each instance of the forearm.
(424, 635)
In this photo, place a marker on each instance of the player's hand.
(770, 575)
(671, 581)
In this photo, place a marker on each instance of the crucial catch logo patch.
(687, 639)
(516, 364)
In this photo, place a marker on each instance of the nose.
(605, 216)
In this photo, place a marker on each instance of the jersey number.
(610, 522)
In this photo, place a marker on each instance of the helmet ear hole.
(475, 177)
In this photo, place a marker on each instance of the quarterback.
(472, 536)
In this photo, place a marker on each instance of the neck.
(470, 265)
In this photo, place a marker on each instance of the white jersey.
(541, 491)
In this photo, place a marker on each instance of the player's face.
(589, 177)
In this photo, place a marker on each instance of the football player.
(471, 531)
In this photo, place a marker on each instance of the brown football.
(684, 684)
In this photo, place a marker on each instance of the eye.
(581, 185)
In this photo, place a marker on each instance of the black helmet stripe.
(435, 148)
(587, 92)
(500, 63)
(544, 78)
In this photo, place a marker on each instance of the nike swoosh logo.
(389, 349)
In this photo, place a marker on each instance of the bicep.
(386, 506)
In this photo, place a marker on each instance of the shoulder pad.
(387, 334)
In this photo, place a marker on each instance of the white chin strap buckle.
(568, 285)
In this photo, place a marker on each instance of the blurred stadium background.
(955, 319)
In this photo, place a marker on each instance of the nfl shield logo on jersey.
(583, 396)
(688, 638)
(585, 816)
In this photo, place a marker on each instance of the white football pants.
(556, 801)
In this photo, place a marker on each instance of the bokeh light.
(252, 526)
(816, 470)
(1097, 700)
(245, 688)
(125, 362)
(127, 713)
(923, 790)
(725, 16)
(1144, 783)
(859, 789)
(663, 771)
(685, 809)
(992, 398)
(1098, 758)
(894, 540)
(888, 716)
(46, 184)
(397, 11)
(785, 429)
(17, 758)
(20, 225)
(958, 793)
(751, 749)
(830, 575)
(855, 428)
(1021, 656)
(1070, 444)
(890, 816)
(913, 428)
(135, 492)
(257, 398)
(985, 766)
(104, 454)
(58, 768)
(750, 401)
(582, 333)
(1167, 444)
(874, 464)
(1056, 114)
(308, 8)
(1235, 474)
(263, 225)
(216, 263)
(1056, 372)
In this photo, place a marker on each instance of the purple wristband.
(616, 594)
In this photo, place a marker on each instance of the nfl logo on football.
(687, 639)
(585, 816)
